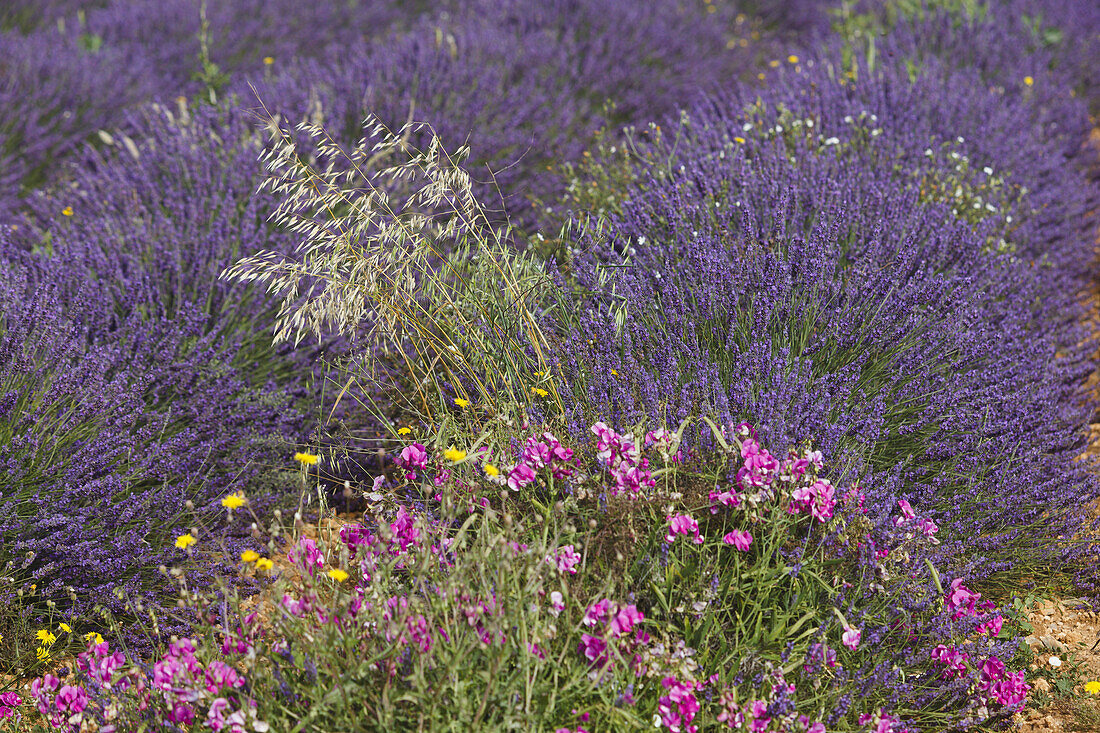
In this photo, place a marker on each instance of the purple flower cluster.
(179, 687)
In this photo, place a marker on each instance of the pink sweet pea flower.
(741, 539)
(683, 524)
(412, 457)
(566, 560)
(624, 620)
(850, 638)
(520, 476)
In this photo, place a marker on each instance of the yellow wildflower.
(268, 60)
(1092, 687)
(461, 402)
(453, 454)
(307, 458)
(540, 392)
(338, 575)
(492, 470)
(250, 556)
(264, 564)
(1028, 81)
(792, 59)
(45, 637)
(43, 655)
(739, 140)
(64, 627)
(404, 431)
(774, 64)
(67, 211)
(93, 636)
(614, 373)
(233, 501)
(185, 540)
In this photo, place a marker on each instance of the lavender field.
(570, 366)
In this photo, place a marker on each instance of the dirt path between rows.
(1066, 631)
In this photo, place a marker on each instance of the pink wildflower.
(412, 457)
(520, 476)
(851, 636)
(683, 524)
(741, 539)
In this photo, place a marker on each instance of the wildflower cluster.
(621, 456)
(115, 695)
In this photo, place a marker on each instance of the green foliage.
(858, 30)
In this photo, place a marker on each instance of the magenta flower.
(678, 708)
(961, 600)
(593, 648)
(1012, 690)
(404, 529)
(413, 456)
(683, 524)
(216, 715)
(741, 539)
(220, 675)
(597, 612)
(520, 476)
(992, 670)
(71, 700)
(824, 501)
(850, 638)
(725, 498)
(928, 527)
(952, 659)
(623, 620)
(307, 555)
(991, 627)
(566, 560)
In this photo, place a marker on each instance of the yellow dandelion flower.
(67, 211)
(93, 636)
(492, 470)
(250, 556)
(64, 627)
(453, 454)
(185, 540)
(233, 501)
(307, 458)
(45, 637)
(614, 373)
(338, 575)
(404, 431)
(540, 392)
(1028, 81)
(792, 59)
(1092, 687)
(774, 64)
(739, 140)
(268, 60)
(461, 402)
(264, 564)
(760, 76)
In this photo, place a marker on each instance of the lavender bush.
(791, 265)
